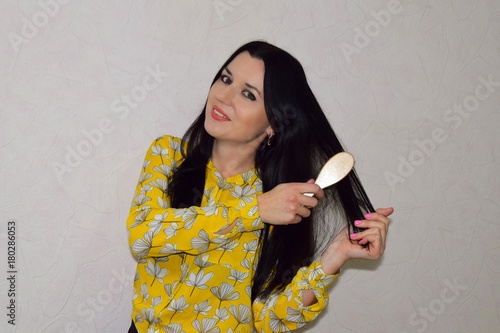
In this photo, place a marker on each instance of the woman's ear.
(269, 131)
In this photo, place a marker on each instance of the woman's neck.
(232, 159)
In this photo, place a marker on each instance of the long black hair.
(303, 142)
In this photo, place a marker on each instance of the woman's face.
(235, 110)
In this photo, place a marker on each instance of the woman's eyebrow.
(247, 84)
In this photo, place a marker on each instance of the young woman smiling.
(225, 238)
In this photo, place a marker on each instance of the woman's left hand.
(367, 244)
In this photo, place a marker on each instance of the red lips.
(217, 115)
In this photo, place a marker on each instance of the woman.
(224, 235)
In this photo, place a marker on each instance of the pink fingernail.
(353, 235)
(368, 215)
(360, 242)
(357, 222)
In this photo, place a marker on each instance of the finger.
(309, 202)
(320, 194)
(373, 226)
(377, 217)
(303, 211)
(297, 219)
(308, 187)
(377, 245)
(385, 211)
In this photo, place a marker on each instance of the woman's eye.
(249, 95)
(225, 79)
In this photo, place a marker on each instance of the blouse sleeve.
(285, 311)
(157, 230)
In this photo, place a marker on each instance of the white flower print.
(304, 283)
(145, 188)
(188, 216)
(203, 307)
(248, 290)
(202, 261)
(211, 210)
(251, 246)
(185, 272)
(253, 210)
(209, 195)
(207, 326)
(242, 313)
(313, 273)
(272, 300)
(225, 211)
(171, 230)
(140, 200)
(221, 182)
(156, 301)
(199, 280)
(221, 314)
(258, 185)
(160, 183)
(161, 259)
(163, 203)
(159, 151)
(157, 223)
(174, 164)
(245, 263)
(238, 276)
(142, 246)
(169, 248)
(156, 271)
(146, 163)
(163, 169)
(145, 176)
(141, 217)
(134, 294)
(173, 328)
(225, 293)
(149, 315)
(276, 324)
(202, 242)
(295, 315)
(257, 222)
(247, 176)
(174, 145)
(245, 194)
(229, 246)
(178, 305)
(289, 294)
(169, 289)
(144, 291)
(325, 281)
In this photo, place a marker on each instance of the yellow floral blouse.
(190, 279)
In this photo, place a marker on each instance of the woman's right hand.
(287, 204)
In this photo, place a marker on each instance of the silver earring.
(269, 137)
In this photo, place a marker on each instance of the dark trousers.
(132, 328)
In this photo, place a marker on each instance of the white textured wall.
(409, 102)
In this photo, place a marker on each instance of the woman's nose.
(226, 95)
